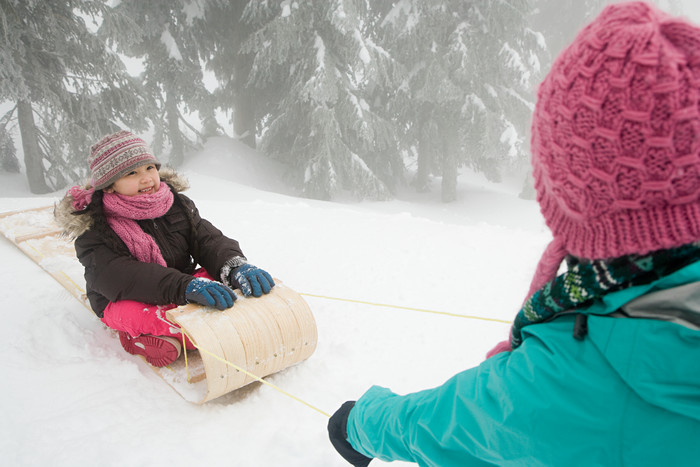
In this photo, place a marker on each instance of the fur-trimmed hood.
(74, 226)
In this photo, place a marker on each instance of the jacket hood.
(74, 226)
(653, 351)
(654, 358)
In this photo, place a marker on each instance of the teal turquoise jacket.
(628, 394)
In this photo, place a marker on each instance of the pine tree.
(313, 64)
(223, 32)
(165, 37)
(467, 99)
(69, 89)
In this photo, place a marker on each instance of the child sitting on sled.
(141, 240)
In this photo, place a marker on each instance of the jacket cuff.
(229, 265)
(338, 435)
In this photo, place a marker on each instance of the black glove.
(338, 434)
(209, 293)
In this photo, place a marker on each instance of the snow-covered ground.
(72, 397)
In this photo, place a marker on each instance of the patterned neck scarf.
(122, 212)
(588, 280)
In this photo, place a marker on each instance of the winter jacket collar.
(639, 350)
(73, 226)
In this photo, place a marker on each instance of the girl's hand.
(251, 280)
(209, 293)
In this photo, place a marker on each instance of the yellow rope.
(184, 350)
(280, 390)
(422, 310)
(255, 377)
(201, 350)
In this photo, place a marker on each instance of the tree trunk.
(450, 148)
(30, 145)
(426, 151)
(528, 190)
(244, 109)
(449, 178)
(244, 119)
(177, 153)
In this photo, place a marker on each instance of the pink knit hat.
(616, 138)
(116, 155)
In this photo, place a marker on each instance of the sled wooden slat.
(12, 213)
(49, 233)
(45, 248)
(260, 335)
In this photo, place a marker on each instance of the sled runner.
(259, 335)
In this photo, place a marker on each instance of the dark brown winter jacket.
(185, 241)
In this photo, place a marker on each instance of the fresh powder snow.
(73, 397)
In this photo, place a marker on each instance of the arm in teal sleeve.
(375, 426)
(457, 424)
(533, 407)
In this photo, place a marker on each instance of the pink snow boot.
(157, 350)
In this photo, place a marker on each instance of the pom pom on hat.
(116, 155)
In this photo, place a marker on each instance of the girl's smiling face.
(143, 180)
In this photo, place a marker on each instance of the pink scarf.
(122, 212)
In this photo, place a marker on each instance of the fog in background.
(357, 99)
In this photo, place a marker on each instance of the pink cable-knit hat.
(616, 138)
(116, 155)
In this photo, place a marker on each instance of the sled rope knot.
(233, 365)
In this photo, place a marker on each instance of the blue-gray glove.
(251, 280)
(209, 293)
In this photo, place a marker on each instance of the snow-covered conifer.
(166, 37)
(470, 68)
(312, 71)
(67, 87)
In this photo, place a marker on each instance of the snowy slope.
(72, 397)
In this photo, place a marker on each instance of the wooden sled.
(258, 335)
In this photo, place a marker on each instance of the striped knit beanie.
(616, 139)
(116, 155)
